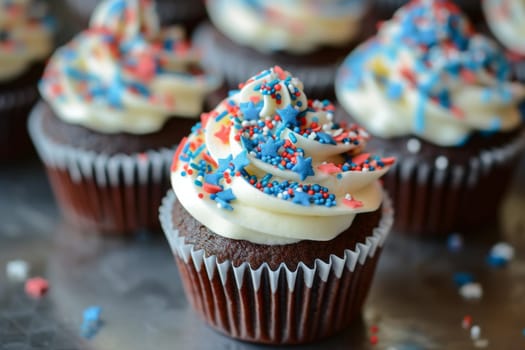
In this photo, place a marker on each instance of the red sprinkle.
(374, 339)
(36, 287)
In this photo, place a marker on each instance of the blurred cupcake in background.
(310, 37)
(25, 43)
(118, 98)
(506, 20)
(439, 97)
(185, 13)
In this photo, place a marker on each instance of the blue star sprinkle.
(224, 163)
(241, 161)
(289, 115)
(213, 178)
(270, 147)
(301, 198)
(303, 167)
(250, 110)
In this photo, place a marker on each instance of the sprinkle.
(462, 278)
(250, 110)
(289, 115)
(91, 322)
(500, 254)
(241, 161)
(466, 322)
(455, 242)
(17, 270)
(475, 332)
(36, 287)
(303, 167)
(394, 91)
(481, 343)
(471, 291)
(223, 134)
(301, 198)
(374, 339)
(329, 168)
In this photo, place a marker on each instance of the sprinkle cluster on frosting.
(25, 35)
(506, 19)
(125, 74)
(429, 62)
(276, 25)
(269, 140)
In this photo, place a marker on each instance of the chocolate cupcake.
(25, 43)
(506, 20)
(185, 13)
(118, 99)
(310, 37)
(438, 96)
(278, 213)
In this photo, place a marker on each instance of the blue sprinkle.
(394, 91)
(496, 261)
(292, 138)
(462, 278)
(221, 116)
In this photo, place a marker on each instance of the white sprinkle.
(352, 134)
(337, 132)
(17, 270)
(413, 145)
(441, 162)
(471, 291)
(475, 332)
(245, 123)
(481, 343)
(312, 136)
(502, 250)
(348, 196)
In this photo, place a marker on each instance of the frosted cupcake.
(310, 37)
(438, 95)
(506, 19)
(277, 210)
(25, 44)
(118, 98)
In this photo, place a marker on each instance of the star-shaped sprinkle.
(270, 147)
(303, 167)
(223, 134)
(247, 144)
(301, 198)
(327, 139)
(226, 195)
(329, 168)
(213, 178)
(241, 161)
(251, 110)
(224, 163)
(352, 203)
(289, 115)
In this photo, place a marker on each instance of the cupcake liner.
(433, 197)
(280, 306)
(234, 67)
(15, 106)
(109, 193)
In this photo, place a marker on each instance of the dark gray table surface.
(413, 302)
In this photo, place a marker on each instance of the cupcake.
(185, 13)
(438, 96)
(310, 37)
(25, 44)
(506, 20)
(277, 212)
(117, 100)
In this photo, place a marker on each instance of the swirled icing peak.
(125, 74)
(270, 166)
(506, 19)
(427, 73)
(25, 36)
(295, 26)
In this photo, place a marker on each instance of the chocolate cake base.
(285, 294)
(17, 97)
(238, 63)
(438, 190)
(115, 186)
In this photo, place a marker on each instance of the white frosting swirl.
(506, 19)
(25, 36)
(271, 167)
(125, 74)
(296, 26)
(427, 74)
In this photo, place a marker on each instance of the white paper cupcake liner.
(434, 197)
(111, 193)
(281, 306)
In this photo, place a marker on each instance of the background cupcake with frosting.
(25, 43)
(439, 96)
(118, 98)
(309, 37)
(277, 210)
(506, 20)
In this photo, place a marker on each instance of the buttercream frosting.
(25, 36)
(125, 73)
(272, 167)
(506, 19)
(295, 26)
(427, 73)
